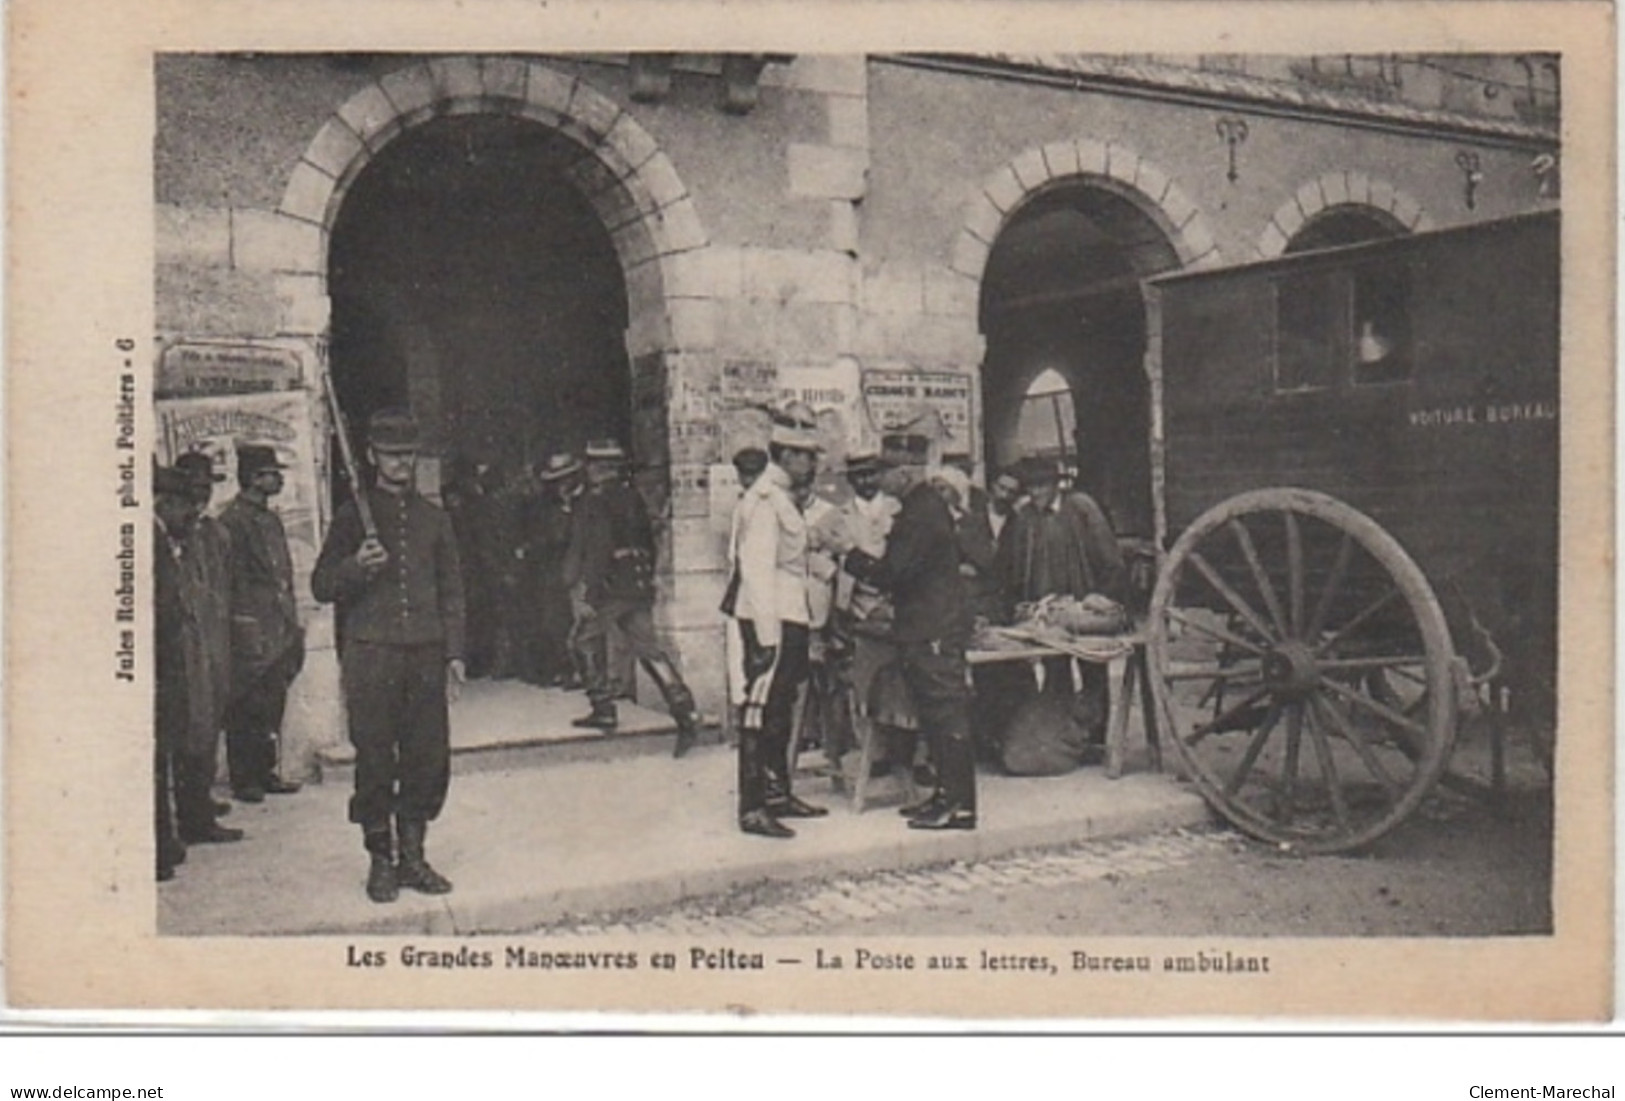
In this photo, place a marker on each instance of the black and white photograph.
(1040, 516)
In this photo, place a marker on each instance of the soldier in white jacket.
(772, 612)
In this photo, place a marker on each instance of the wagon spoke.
(1370, 610)
(1289, 770)
(1218, 633)
(1254, 748)
(1225, 717)
(1232, 674)
(1328, 773)
(1294, 569)
(1334, 583)
(1362, 746)
(1236, 600)
(1381, 710)
(1393, 662)
(1249, 551)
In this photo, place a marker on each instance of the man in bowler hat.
(399, 593)
(267, 642)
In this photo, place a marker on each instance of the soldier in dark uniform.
(399, 593)
(609, 569)
(206, 568)
(267, 642)
(920, 570)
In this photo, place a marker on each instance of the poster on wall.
(217, 425)
(898, 398)
(833, 392)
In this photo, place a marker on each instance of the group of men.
(894, 580)
(920, 553)
(228, 645)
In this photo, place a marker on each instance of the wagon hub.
(1291, 671)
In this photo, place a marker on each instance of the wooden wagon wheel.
(1288, 606)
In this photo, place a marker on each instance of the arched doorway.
(471, 280)
(1346, 224)
(1061, 301)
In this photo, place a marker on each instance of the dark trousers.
(193, 771)
(764, 731)
(935, 675)
(163, 815)
(632, 625)
(254, 720)
(396, 697)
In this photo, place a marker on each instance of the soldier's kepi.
(399, 594)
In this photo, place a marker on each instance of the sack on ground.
(1046, 736)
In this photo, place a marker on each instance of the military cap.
(605, 450)
(253, 458)
(198, 468)
(393, 430)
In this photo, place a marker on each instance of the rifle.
(352, 470)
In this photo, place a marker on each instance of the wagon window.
(1381, 346)
(1307, 323)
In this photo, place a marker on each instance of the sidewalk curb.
(522, 913)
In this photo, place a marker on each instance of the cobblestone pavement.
(793, 909)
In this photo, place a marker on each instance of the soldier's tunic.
(267, 642)
(772, 611)
(611, 558)
(396, 632)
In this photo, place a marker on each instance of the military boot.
(381, 883)
(603, 717)
(413, 870)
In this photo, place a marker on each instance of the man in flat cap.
(610, 569)
(931, 629)
(267, 642)
(392, 570)
(772, 613)
(206, 568)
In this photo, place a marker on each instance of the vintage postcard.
(930, 510)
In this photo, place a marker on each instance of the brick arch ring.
(1334, 190)
(622, 173)
(1110, 165)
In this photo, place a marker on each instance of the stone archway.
(1108, 165)
(1134, 205)
(1335, 191)
(629, 182)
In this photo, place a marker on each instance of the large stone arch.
(630, 183)
(1109, 165)
(1334, 190)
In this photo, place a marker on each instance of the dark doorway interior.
(1062, 294)
(471, 281)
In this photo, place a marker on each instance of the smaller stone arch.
(1111, 165)
(1332, 191)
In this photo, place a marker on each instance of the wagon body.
(1411, 381)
